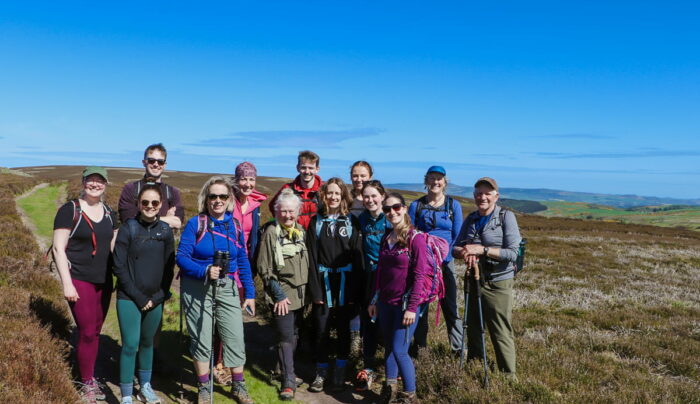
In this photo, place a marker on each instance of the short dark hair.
(150, 187)
(310, 156)
(156, 146)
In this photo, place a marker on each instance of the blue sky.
(581, 96)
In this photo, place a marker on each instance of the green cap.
(88, 171)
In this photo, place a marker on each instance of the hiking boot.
(222, 375)
(126, 400)
(147, 395)
(339, 379)
(364, 379)
(204, 395)
(389, 392)
(404, 397)
(87, 394)
(317, 385)
(287, 394)
(239, 392)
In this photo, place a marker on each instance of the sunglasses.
(154, 203)
(151, 160)
(396, 207)
(212, 197)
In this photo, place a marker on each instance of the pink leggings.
(89, 313)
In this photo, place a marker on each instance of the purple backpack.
(437, 249)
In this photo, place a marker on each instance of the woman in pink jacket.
(402, 272)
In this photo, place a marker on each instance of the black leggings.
(325, 319)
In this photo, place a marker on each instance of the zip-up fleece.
(334, 249)
(398, 272)
(194, 258)
(144, 261)
(250, 221)
(309, 199)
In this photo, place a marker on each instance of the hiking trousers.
(287, 337)
(497, 306)
(325, 319)
(89, 313)
(197, 303)
(448, 306)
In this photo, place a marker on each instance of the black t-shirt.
(84, 265)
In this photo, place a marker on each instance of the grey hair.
(202, 197)
(287, 195)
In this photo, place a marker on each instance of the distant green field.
(686, 217)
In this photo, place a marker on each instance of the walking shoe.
(317, 385)
(364, 379)
(222, 375)
(287, 394)
(239, 393)
(389, 392)
(126, 400)
(147, 395)
(404, 397)
(87, 394)
(339, 379)
(97, 388)
(204, 395)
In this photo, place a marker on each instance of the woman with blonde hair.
(335, 260)
(209, 292)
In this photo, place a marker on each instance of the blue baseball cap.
(437, 169)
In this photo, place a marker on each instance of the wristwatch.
(486, 251)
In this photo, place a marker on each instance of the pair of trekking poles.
(474, 275)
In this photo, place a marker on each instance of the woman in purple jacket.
(396, 304)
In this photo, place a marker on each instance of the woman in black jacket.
(336, 264)
(144, 258)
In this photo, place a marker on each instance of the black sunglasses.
(387, 208)
(154, 203)
(151, 160)
(212, 197)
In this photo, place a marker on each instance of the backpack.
(78, 216)
(205, 226)
(314, 199)
(522, 248)
(421, 202)
(438, 248)
(168, 193)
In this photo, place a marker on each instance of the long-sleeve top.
(504, 235)
(400, 271)
(128, 199)
(373, 229)
(144, 258)
(436, 220)
(283, 265)
(334, 248)
(220, 235)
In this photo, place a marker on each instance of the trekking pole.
(213, 283)
(481, 325)
(465, 317)
(180, 344)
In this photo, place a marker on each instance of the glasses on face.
(95, 181)
(154, 203)
(152, 161)
(396, 207)
(212, 197)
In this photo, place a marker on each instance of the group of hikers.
(360, 256)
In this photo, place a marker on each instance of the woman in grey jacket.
(490, 236)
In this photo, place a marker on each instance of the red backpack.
(437, 249)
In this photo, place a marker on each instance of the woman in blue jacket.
(206, 286)
(440, 215)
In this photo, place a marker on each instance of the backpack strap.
(202, 223)
(77, 216)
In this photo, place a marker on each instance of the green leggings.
(137, 329)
